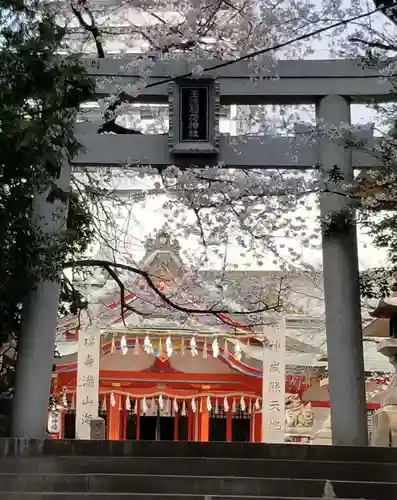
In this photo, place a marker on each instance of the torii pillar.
(38, 327)
(342, 290)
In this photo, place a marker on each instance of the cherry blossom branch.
(273, 48)
(92, 28)
(108, 265)
(123, 304)
(373, 44)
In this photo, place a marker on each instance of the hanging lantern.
(242, 403)
(104, 404)
(215, 348)
(237, 351)
(112, 400)
(128, 403)
(161, 402)
(147, 345)
(257, 406)
(216, 407)
(209, 405)
(144, 406)
(234, 408)
(193, 405)
(250, 407)
(168, 346)
(175, 406)
(124, 345)
(113, 345)
(183, 411)
(193, 346)
(226, 405)
(205, 349)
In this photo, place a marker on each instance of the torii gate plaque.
(194, 117)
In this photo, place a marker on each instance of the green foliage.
(375, 283)
(40, 93)
(337, 222)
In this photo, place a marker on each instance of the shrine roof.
(300, 296)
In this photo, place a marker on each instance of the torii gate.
(331, 85)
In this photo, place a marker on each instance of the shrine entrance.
(148, 428)
(152, 428)
(230, 426)
(217, 429)
(218, 425)
(131, 427)
(241, 427)
(166, 429)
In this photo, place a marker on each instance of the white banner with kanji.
(273, 389)
(87, 399)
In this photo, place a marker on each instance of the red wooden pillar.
(138, 419)
(176, 427)
(123, 418)
(190, 424)
(229, 423)
(114, 419)
(204, 422)
(106, 397)
(257, 427)
(198, 437)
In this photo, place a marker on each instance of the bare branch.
(124, 305)
(91, 28)
(373, 44)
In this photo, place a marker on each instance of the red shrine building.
(167, 376)
(151, 396)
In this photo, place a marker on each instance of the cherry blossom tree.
(259, 211)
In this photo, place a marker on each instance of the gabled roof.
(236, 290)
(205, 290)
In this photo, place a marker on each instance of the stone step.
(137, 496)
(182, 485)
(100, 496)
(353, 471)
(51, 447)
